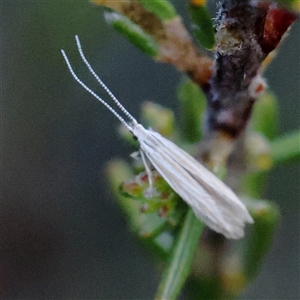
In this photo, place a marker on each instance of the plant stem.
(181, 259)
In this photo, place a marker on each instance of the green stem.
(181, 259)
(286, 148)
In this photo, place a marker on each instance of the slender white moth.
(212, 201)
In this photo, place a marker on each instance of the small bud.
(159, 118)
(198, 2)
(257, 86)
(163, 211)
(258, 153)
(278, 21)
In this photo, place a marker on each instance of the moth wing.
(211, 200)
(207, 179)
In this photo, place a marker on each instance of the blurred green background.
(62, 235)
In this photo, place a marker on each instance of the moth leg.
(151, 190)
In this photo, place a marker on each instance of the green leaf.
(134, 33)
(181, 258)
(193, 105)
(260, 236)
(286, 148)
(163, 9)
(265, 115)
(203, 26)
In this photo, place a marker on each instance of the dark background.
(62, 235)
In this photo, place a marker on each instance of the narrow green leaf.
(181, 259)
(193, 105)
(286, 148)
(260, 236)
(203, 26)
(265, 115)
(134, 33)
(163, 9)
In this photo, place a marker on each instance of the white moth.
(212, 201)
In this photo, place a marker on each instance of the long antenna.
(124, 110)
(130, 127)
